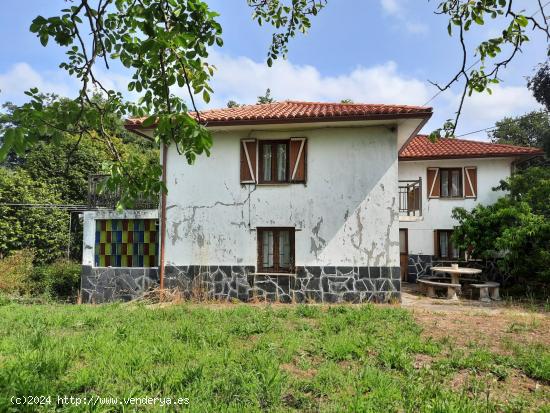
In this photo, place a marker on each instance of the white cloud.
(21, 77)
(397, 9)
(391, 6)
(484, 110)
(243, 79)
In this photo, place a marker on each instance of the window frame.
(276, 259)
(450, 256)
(273, 143)
(450, 183)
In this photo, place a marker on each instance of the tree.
(233, 104)
(166, 45)
(346, 101)
(42, 230)
(64, 167)
(480, 68)
(539, 84)
(266, 98)
(516, 229)
(532, 129)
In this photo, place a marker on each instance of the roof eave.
(298, 120)
(469, 156)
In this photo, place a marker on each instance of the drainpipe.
(163, 221)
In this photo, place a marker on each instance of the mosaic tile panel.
(126, 243)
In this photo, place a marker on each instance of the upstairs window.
(451, 182)
(276, 250)
(274, 163)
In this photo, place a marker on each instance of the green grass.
(244, 358)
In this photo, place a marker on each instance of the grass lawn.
(257, 358)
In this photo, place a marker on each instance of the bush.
(44, 231)
(516, 228)
(15, 272)
(60, 280)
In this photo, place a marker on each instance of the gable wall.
(437, 213)
(346, 214)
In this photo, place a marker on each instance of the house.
(299, 201)
(436, 177)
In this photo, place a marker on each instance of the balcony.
(102, 198)
(410, 198)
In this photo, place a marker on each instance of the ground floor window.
(126, 243)
(444, 247)
(275, 250)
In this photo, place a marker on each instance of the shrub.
(515, 228)
(44, 231)
(60, 280)
(15, 271)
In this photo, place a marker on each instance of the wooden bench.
(452, 289)
(488, 291)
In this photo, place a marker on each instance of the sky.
(370, 51)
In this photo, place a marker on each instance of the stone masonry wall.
(104, 284)
(310, 284)
(421, 265)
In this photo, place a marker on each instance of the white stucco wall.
(346, 214)
(89, 218)
(437, 213)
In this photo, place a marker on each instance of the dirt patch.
(422, 361)
(494, 329)
(297, 372)
(470, 323)
(470, 327)
(517, 386)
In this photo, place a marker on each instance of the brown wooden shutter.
(298, 159)
(470, 182)
(433, 190)
(248, 161)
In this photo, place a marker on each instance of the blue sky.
(372, 51)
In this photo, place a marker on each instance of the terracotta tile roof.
(299, 112)
(420, 147)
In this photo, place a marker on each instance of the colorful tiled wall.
(126, 243)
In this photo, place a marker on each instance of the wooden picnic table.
(456, 272)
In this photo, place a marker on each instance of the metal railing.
(101, 197)
(410, 197)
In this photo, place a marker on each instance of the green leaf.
(44, 38)
(150, 121)
(522, 20)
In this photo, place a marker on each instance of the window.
(451, 182)
(444, 247)
(274, 162)
(275, 250)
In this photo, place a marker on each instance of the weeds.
(244, 358)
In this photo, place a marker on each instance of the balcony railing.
(410, 197)
(100, 197)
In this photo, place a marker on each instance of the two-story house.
(434, 178)
(298, 201)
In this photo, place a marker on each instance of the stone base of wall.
(419, 266)
(309, 284)
(100, 284)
